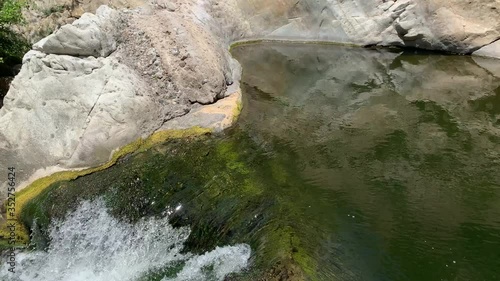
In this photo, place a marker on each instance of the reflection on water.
(393, 159)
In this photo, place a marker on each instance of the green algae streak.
(38, 186)
(223, 199)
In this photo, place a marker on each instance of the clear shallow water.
(90, 244)
(389, 161)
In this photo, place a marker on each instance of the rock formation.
(108, 79)
(455, 26)
(45, 16)
(90, 35)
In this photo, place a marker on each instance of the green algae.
(38, 187)
(214, 179)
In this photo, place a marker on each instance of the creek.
(345, 164)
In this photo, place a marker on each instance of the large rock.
(71, 112)
(66, 111)
(190, 53)
(90, 35)
(456, 26)
(45, 16)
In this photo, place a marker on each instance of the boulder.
(74, 102)
(454, 26)
(90, 35)
(71, 112)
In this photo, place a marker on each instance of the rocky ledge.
(108, 79)
(453, 26)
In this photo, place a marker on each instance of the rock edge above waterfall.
(108, 79)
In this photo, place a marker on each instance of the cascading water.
(90, 244)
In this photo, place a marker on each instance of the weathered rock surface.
(90, 35)
(76, 103)
(72, 112)
(188, 52)
(456, 26)
(45, 16)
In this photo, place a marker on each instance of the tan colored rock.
(217, 117)
(71, 112)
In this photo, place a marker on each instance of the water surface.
(346, 164)
(392, 159)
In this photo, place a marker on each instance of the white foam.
(222, 261)
(91, 245)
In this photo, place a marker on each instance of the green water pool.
(345, 164)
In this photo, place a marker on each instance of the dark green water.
(390, 161)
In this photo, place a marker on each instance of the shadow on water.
(346, 164)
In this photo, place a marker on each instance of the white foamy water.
(91, 245)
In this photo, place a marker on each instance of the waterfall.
(91, 245)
